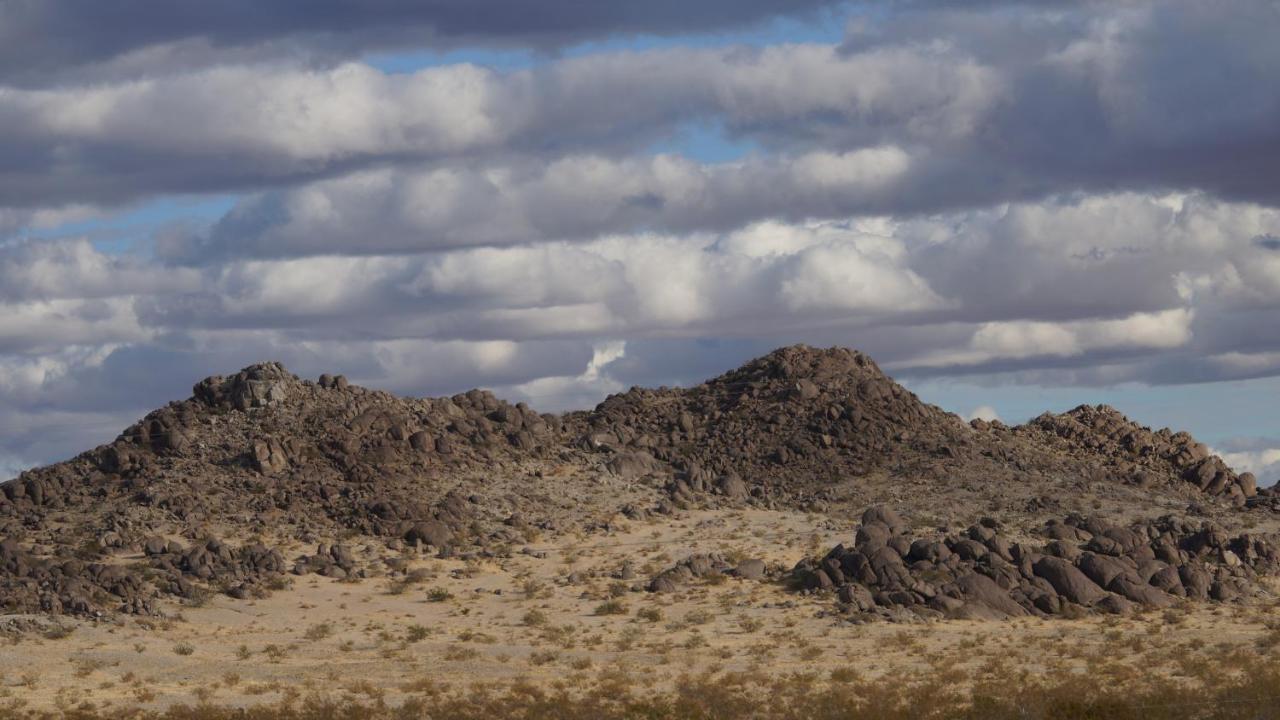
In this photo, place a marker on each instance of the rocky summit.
(1084, 511)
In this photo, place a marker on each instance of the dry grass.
(1001, 692)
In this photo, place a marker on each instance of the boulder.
(1132, 588)
(857, 596)
(269, 456)
(1168, 580)
(1115, 605)
(970, 550)
(1101, 569)
(871, 536)
(431, 532)
(753, 569)
(1068, 581)
(885, 516)
(1196, 581)
(983, 589)
(732, 486)
(663, 584)
(855, 566)
(631, 464)
(155, 545)
(1066, 550)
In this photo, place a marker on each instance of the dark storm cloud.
(990, 107)
(43, 37)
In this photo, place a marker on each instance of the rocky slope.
(1137, 453)
(202, 495)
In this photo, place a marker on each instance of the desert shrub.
(534, 618)
(611, 607)
(58, 632)
(318, 631)
(650, 614)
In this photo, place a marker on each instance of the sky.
(1013, 206)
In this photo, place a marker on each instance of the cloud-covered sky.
(1013, 206)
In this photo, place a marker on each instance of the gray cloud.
(53, 37)
(1097, 97)
(1260, 456)
(1061, 283)
(230, 128)
(570, 198)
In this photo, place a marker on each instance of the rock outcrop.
(1080, 564)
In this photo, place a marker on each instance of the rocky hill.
(805, 426)
(200, 495)
(791, 422)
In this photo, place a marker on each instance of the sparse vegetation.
(844, 694)
(650, 614)
(611, 607)
(319, 631)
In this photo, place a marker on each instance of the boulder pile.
(702, 566)
(1077, 565)
(66, 584)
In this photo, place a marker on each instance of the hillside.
(205, 494)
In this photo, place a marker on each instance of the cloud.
(1024, 340)
(1068, 282)
(57, 36)
(983, 412)
(992, 107)
(575, 197)
(1263, 463)
(74, 269)
(45, 326)
(241, 127)
(558, 393)
(646, 283)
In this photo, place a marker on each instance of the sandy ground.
(565, 616)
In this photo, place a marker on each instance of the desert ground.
(568, 614)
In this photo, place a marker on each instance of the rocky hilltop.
(200, 496)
